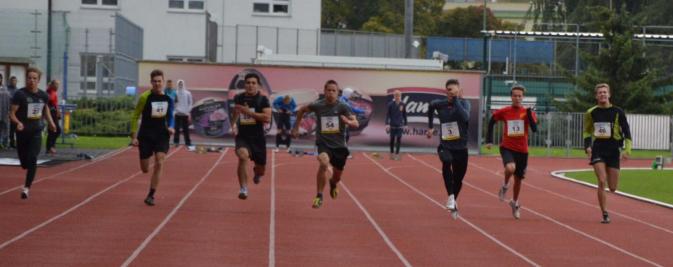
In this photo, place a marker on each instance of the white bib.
(329, 124)
(34, 111)
(450, 131)
(247, 119)
(602, 130)
(515, 128)
(159, 109)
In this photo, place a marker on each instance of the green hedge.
(103, 116)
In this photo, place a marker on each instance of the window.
(100, 3)
(274, 7)
(191, 4)
(185, 59)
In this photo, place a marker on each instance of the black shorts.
(283, 122)
(608, 156)
(395, 131)
(519, 159)
(256, 146)
(337, 156)
(148, 145)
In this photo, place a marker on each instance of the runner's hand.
(171, 131)
(134, 142)
(233, 130)
(295, 132)
(351, 123)
(52, 127)
(588, 151)
(242, 109)
(19, 127)
(387, 128)
(625, 156)
(429, 133)
(488, 146)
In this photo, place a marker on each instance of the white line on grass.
(580, 232)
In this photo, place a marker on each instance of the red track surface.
(388, 213)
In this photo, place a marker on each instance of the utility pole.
(49, 9)
(408, 26)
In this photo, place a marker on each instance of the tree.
(390, 17)
(347, 14)
(544, 12)
(468, 22)
(621, 63)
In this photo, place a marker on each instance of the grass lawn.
(576, 153)
(652, 184)
(95, 142)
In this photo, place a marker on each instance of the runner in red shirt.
(514, 145)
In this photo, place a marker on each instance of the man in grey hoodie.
(4, 114)
(183, 107)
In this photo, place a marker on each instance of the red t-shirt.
(515, 135)
(53, 97)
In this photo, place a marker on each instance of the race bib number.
(515, 128)
(329, 124)
(159, 109)
(35, 111)
(247, 119)
(450, 131)
(602, 130)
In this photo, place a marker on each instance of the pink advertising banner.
(214, 85)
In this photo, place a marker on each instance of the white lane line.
(101, 159)
(68, 211)
(580, 232)
(272, 215)
(480, 230)
(156, 231)
(376, 226)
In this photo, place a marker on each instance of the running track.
(388, 213)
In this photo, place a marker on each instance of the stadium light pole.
(408, 26)
(486, 81)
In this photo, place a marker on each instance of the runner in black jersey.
(155, 109)
(453, 114)
(251, 111)
(606, 131)
(28, 108)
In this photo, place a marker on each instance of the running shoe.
(317, 202)
(515, 209)
(333, 190)
(451, 203)
(454, 214)
(276, 149)
(149, 201)
(243, 193)
(606, 218)
(502, 193)
(256, 179)
(24, 193)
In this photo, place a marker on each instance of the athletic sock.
(151, 194)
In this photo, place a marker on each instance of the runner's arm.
(404, 115)
(171, 115)
(463, 108)
(626, 132)
(489, 132)
(431, 115)
(387, 121)
(532, 119)
(136, 114)
(588, 129)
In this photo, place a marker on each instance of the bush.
(103, 116)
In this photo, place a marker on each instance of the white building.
(179, 30)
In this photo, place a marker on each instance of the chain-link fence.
(564, 130)
(240, 43)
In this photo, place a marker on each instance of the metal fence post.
(568, 140)
(548, 140)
